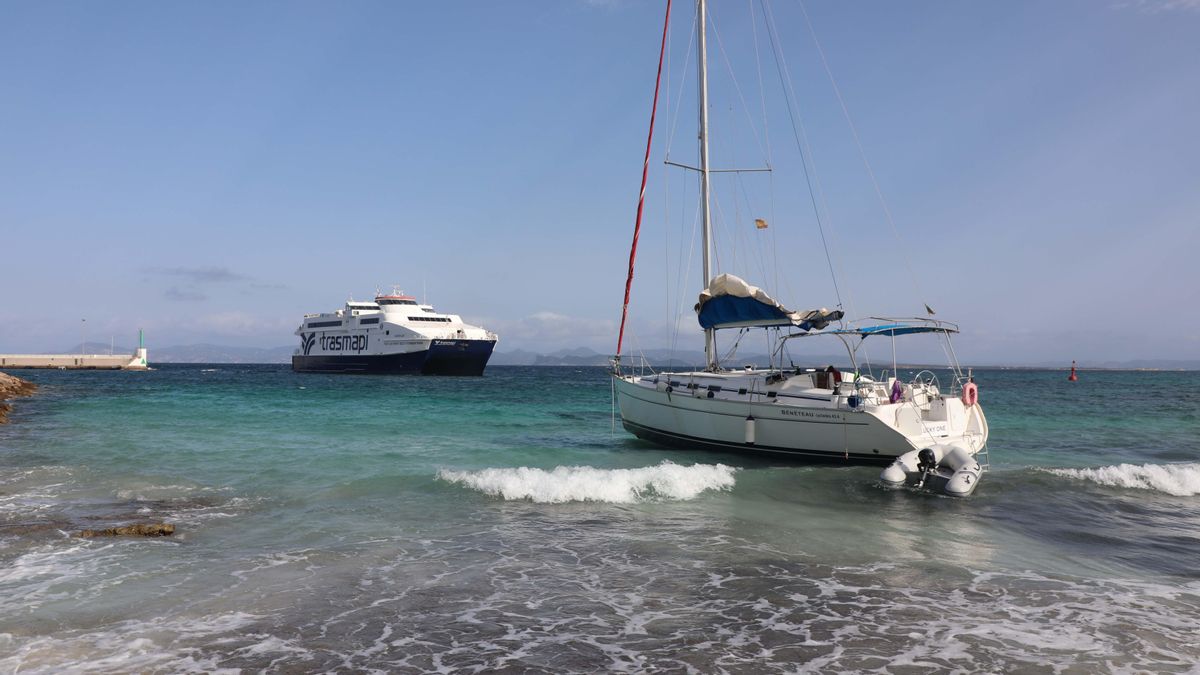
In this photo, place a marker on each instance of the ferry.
(394, 334)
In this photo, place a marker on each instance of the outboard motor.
(926, 462)
(910, 467)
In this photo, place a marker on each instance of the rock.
(15, 386)
(140, 530)
(11, 387)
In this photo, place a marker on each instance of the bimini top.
(730, 302)
(899, 328)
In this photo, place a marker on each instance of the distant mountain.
(517, 357)
(204, 353)
(1133, 364)
(579, 356)
(97, 348)
(659, 358)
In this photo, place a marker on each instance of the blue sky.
(212, 171)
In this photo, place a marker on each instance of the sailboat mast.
(710, 355)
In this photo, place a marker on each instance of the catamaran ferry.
(393, 334)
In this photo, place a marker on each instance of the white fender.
(896, 472)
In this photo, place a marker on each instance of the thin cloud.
(176, 295)
(1159, 6)
(200, 275)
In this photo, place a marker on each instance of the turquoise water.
(478, 524)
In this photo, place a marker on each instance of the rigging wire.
(738, 180)
(645, 169)
(684, 272)
(666, 209)
(679, 95)
(789, 94)
(737, 87)
(762, 99)
(862, 153)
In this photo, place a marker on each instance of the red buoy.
(1072, 377)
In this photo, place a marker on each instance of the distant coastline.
(584, 356)
(659, 358)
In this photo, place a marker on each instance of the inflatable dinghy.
(948, 469)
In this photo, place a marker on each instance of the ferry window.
(324, 324)
(367, 321)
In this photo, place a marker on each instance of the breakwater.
(135, 361)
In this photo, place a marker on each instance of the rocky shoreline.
(12, 387)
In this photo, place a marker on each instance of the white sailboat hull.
(784, 425)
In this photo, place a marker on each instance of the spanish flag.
(760, 223)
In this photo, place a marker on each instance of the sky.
(212, 171)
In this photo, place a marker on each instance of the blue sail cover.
(729, 302)
(729, 310)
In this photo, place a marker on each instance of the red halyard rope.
(637, 226)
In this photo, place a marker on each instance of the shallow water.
(472, 524)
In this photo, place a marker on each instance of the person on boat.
(835, 375)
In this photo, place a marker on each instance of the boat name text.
(343, 343)
(808, 414)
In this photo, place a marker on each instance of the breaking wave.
(1181, 480)
(666, 481)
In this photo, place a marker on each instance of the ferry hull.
(444, 357)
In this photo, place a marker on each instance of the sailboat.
(926, 434)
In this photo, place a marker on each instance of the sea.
(506, 523)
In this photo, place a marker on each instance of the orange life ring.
(970, 395)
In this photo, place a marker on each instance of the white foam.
(178, 645)
(1181, 480)
(155, 492)
(667, 481)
